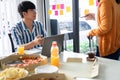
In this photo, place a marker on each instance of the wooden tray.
(45, 76)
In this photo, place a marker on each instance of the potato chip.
(2, 78)
(22, 73)
(11, 73)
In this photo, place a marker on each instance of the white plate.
(46, 69)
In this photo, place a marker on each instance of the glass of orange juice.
(20, 49)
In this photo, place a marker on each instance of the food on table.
(27, 61)
(13, 73)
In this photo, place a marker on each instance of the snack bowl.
(13, 73)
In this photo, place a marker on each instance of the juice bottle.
(54, 54)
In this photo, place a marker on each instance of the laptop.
(48, 42)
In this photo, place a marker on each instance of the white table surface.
(108, 69)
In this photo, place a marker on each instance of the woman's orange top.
(108, 30)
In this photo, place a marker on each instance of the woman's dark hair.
(118, 1)
(24, 6)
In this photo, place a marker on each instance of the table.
(108, 69)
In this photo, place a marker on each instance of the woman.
(108, 17)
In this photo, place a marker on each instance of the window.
(65, 23)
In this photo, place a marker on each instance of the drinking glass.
(20, 49)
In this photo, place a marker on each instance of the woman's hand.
(90, 16)
(89, 36)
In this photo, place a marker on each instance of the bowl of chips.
(13, 73)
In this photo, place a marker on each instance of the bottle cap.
(54, 43)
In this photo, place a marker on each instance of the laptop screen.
(48, 42)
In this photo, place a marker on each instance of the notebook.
(48, 42)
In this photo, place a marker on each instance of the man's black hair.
(24, 6)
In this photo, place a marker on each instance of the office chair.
(12, 44)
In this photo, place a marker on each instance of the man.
(28, 32)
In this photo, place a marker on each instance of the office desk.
(108, 69)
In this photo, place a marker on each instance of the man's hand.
(38, 40)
